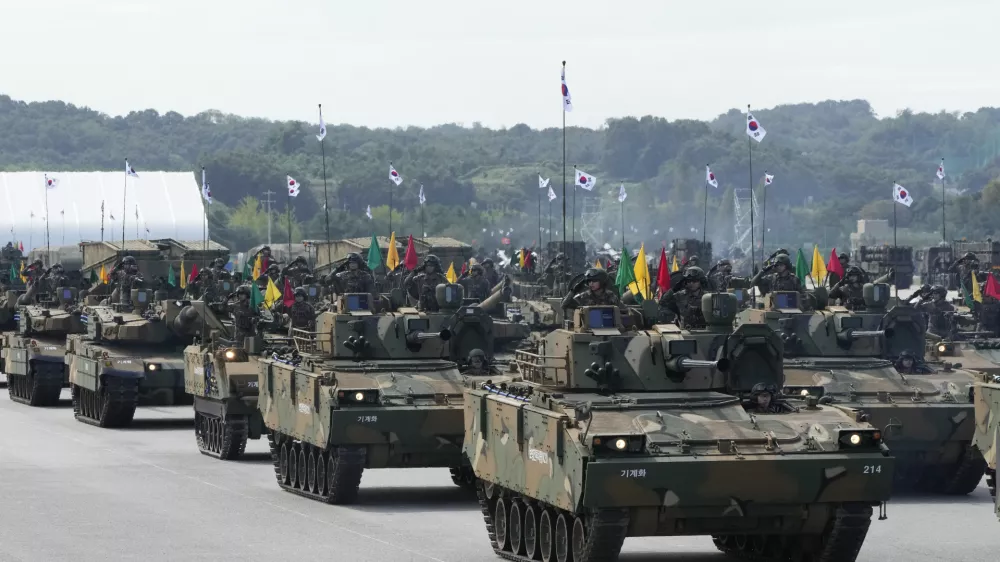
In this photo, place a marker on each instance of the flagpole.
(288, 217)
(540, 233)
(894, 245)
(753, 246)
(423, 231)
(704, 224)
(102, 220)
(204, 212)
(326, 197)
(124, 203)
(391, 183)
(763, 218)
(622, 204)
(563, 169)
(137, 221)
(48, 251)
(944, 238)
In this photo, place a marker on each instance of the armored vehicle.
(132, 351)
(925, 415)
(11, 285)
(618, 434)
(371, 390)
(34, 355)
(987, 398)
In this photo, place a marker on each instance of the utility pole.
(269, 193)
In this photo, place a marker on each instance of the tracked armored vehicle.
(131, 354)
(34, 356)
(11, 261)
(925, 416)
(987, 440)
(618, 434)
(371, 390)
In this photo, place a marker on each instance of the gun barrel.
(416, 337)
(684, 364)
(858, 334)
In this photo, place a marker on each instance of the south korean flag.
(901, 195)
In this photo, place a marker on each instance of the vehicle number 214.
(873, 469)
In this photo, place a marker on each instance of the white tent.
(168, 205)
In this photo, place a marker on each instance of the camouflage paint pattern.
(977, 355)
(926, 418)
(692, 451)
(987, 440)
(160, 372)
(208, 373)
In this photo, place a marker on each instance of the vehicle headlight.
(230, 354)
(152, 367)
(619, 444)
(358, 396)
(800, 392)
(859, 438)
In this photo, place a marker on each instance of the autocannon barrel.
(417, 337)
(683, 364)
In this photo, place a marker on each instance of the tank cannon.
(662, 417)
(854, 356)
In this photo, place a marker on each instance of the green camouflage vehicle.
(132, 354)
(654, 433)
(925, 415)
(371, 390)
(11, 285)
(987, 397)
(34, 356)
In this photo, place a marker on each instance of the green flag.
(801, 267)
(171, 278)
(247, 268)
(256, 299)
(94, 279)
(13, 273)
(625, 275)
(374, 254)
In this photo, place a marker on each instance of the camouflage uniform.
(354, 281)
(779, 280)
(850, 290)
(590, 297)
(477, 365)
(422, 286)
(476, 286)
(964, 267)
(766, 399)
(685, 303)
(243, 315)
(832, 277)
(302, 313)
(490, 272)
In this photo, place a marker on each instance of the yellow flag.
(253, 275)
(675, 267)
(977, 295)
(24, 278)
(641, 271)
(818, 267)
(272, 294)
(392, 258)
(597, 264)
(520, 258)
(184, 277)
(451, 273)
(103, 274)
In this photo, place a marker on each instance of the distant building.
(168, 205)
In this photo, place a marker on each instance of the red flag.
(834, 265)
(194, 273)
(464, 263)
(410, 259)
(663, 272)
(529, 259)
(20, 246)
(289, 296)
(992, 287)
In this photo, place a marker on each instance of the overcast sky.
(404, 62)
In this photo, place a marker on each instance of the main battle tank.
(926, 416)
(623, 434)
(987, 440)
(131, 352)
(221, 374)
(371, 390)
(34, 356)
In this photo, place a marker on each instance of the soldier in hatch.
(356, 278)
(244, 315)
(692, 261)
(490, 272)
(908, 364)
(475, 283)
(477, 365)
(56, 277)
(777, 276)
(850, 289)
(422, 286)
(202, 287)
(766, 399)
(965, 266)
(596, 293)
(685, 303)
(302, 314)
(935, 305)
(833, 277)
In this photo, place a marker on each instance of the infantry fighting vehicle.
(132, 352)
(926, 417)
(34, 356)
(221, 374)
(370, 390)
(987, 440)
(618, 434)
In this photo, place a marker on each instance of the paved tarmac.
(71, 491)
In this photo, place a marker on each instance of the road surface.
(71, 491)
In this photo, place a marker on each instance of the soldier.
(777, 276)
(691, 261)
(56, 277)
(244, 315)
(850, 289)
(596, 294)
(302, 313)
(965, 266)
(202, 287)
(833, 277)
(908, 364)
(937, 308)
(475, 283)
(356, 278)
(477, 365)
(422, 286)
(685, 304)
(490, 272)
(766, 399)
(218, 267)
